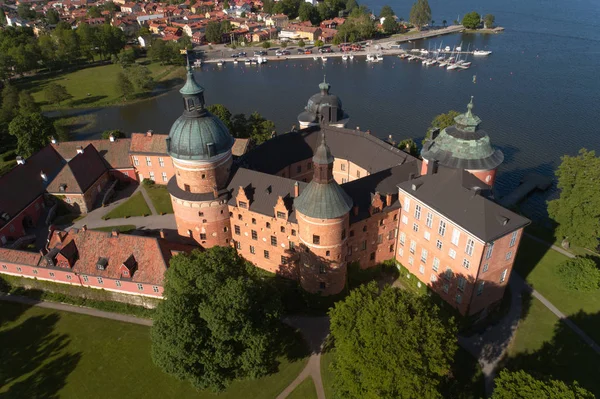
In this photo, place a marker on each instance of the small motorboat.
(344, 57)
(235, 61)
(447, 48)
(247, 62)
(324, 59)
(220, 63)
(482, 52)
(351, 56)
(315, 57)
(451, 67)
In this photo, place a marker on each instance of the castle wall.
(373, 240)
(202, 177)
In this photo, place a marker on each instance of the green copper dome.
(197, 134)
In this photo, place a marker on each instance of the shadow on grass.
(34, 359)
(86, 101)
(529, 255)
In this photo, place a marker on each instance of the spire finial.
(324, 78)
(323, 141)
(470, 106)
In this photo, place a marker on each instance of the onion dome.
(197, 134)
(323, 107)
(463, 145)
(323, 198)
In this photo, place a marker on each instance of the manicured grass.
(539, 265)
(134, 206)
(47, 353)
(306, 390)
(326, 374)
(547, 348)
(126, 228)
(160, 198)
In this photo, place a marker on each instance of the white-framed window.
(69, 277)
(413, 246)
(51, 274)
(415, 227)
(442, 228)
(148, 161)
(462, 282)
(410, 260)
(423, 255)
(446, 288)
(136, 161)
(427, 235)
(152, 176)
(140, 287)
(466, 263)
(448, 274)
(508, 255)
(155, 288)
(422, 269)
(401, 251)
(436, 264)
(100, 280)
(503, 275)
(433, 278)
(85, 278)
(252, 250)
(4, 267)
(19, 269)
(406, 204)
(164, 176)
(455, 236)
(161, 162)
(452, 253)
(489, 251)
(469, 247)
(404, 219)
(117, 283)
(344, 180)
(458, 298)
(429, 220)
(485, 268)
(402, 238)
(480, 287)
(438, 244)
(417, 211)
(35, 271)
(513, 238)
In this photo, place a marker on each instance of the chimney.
(111, 138)
(43, 176)
(60, 236)
(52, 140)
(20, 160)
(114, 233)
(296, 189)
(355, 210)
(162, 233)
(80, 150)
(84, 227)
(149, 133)
(388, 199)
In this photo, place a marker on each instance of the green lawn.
(126, 228)
(539, 265)
(326, 375)
(51, 354)
(546, 347)
(134, 206)
(306, 390)
(160, 198)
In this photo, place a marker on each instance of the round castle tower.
(200, 146)
(464, 146)
(323, 224)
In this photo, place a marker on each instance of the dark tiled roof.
(263, 190)
(323, 201)
(451, 193)
(385, 182)
(177, 192)
(363, 149)
(79, 173)
(23, 184)
(141, 143)
(115, 153)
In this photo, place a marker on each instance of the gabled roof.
(19, 257)
(79, 173)
(142, 143)
(115, 153)
(456, 195)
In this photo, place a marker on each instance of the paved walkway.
(75, 309)
(314, 330)
(148, 200)
(554, 247)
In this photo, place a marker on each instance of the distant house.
(277, 20)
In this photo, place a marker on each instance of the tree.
(319, 43)
(219, 321)
(351, 5)
(389, 25)
(213, 32)
(124, 85)
(441, 122)
(27, 104)
(305, 11)
(260, 128)
(141, 77)
(471, 20)
(488, 21)
(520, 385)
(266, 45)
(94, 12)
(444, 22)
(409, 146)
(301, 43)
(115, 133)
(125, 57)
(420, 14)
(33, 132)
(10, 106)
(56, 94)
(577, 210)
(377, 353)
(160, 52)
(26, 12)
(268, 6)
(283, 44)
(386, 11)
(580, 274)
(225, 5)
(52, 16)
(221, 112)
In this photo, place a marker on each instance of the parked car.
(235, 55)
(278, 53)
(285, 52)
(307, 51)
(259, 53)
(242, 54)
(300, 51)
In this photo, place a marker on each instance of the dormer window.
(62, 188)
(243, 204)
(102, 263)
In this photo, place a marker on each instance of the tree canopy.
(577, 210)
(382, 349)
(489, 20)
(471, 20)
(219, 321)
(409, 146)
(520, 385)
(580, 274)
(115, 133)
(389, 25)
(56, 93)
(420, 13)
(441, 121)
(386, 11)
(33, 132)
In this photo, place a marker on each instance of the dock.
(529, 183)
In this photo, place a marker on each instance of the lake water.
(537, 94)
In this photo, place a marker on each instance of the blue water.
(537, 94)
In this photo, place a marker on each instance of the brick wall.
(202, 177)
(14, 229)
(158, 165)
(343, 171)
(207, 222)
(373, 240)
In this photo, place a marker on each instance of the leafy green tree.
(219, 321)
(111, 40)
(124, 58)
(260, 128)
(94, 12)
(389, 25)
(283, 44)
(441, 122)
(520, 385)
(27, 104)
(88, 40)
(471, 20)
(580, 274)
(266, 45)
(382, 349)
(10, 106)
(115, 133)
(420, 13)
(577, 210)
(124, 86)
(52, 16)
(268, 6)
(141, 77)
(221, 112)
(110, 6)
(488, 21)
(239, 126)
(351, 5)
(160, 52)
(33, 132)
(213, 32)
(324, 11)
(56, 93)
(306, 11)
(444, 22)
(301, 43)
(386, 11)
(225, 5)
(25, 11)
(409, 146)
(319, 43)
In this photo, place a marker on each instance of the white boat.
(344, 57)
(459, 48)
(261, 60)
(220, 63)
(464, 63)
(315, 57)
(424, 61)
(351, 56)
(370, 58)
(423, 51)
(197, 63)
(431, 62)
(411, 58)
(378, 58)
(462, 66)
(441, 58)
(451, 66)
(324, 59)
(247, 62)
(415, 50)
(482, 52)
(442, 64)
(447, 48)
(235, 61)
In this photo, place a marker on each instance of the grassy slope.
(160, 198)
(326, 375)
(53, 354)
(306, 390)
(134, 206)
(126, 228)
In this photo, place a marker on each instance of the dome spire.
(191, 87)
(468, 121)
(324, 87)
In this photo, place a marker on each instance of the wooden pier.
(529, 183)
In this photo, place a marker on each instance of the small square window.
(69, 277)
(252, 251)
(203, 236)
(281, 215)
(51, 274)
(485, 268)
(316, 239)
(266, 254)
(282, 229)
(240, 217)
(322, 269)
(236, 229)
(140, 287)
(274, 241)
(155, 288)
(254, 235)
(253, 221)
(293, 232)
(322, 285)
(284, 260)
(117, 283)
(100, 281)
(268, 225)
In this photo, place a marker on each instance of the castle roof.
(115, 153)
(79, 173)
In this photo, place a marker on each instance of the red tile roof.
(115, 153)
(19, 257)
(142, 143)
(79, 173)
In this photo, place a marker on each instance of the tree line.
(254, 127)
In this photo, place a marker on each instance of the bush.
(8, 156)
(580, 274)
(148, 182)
